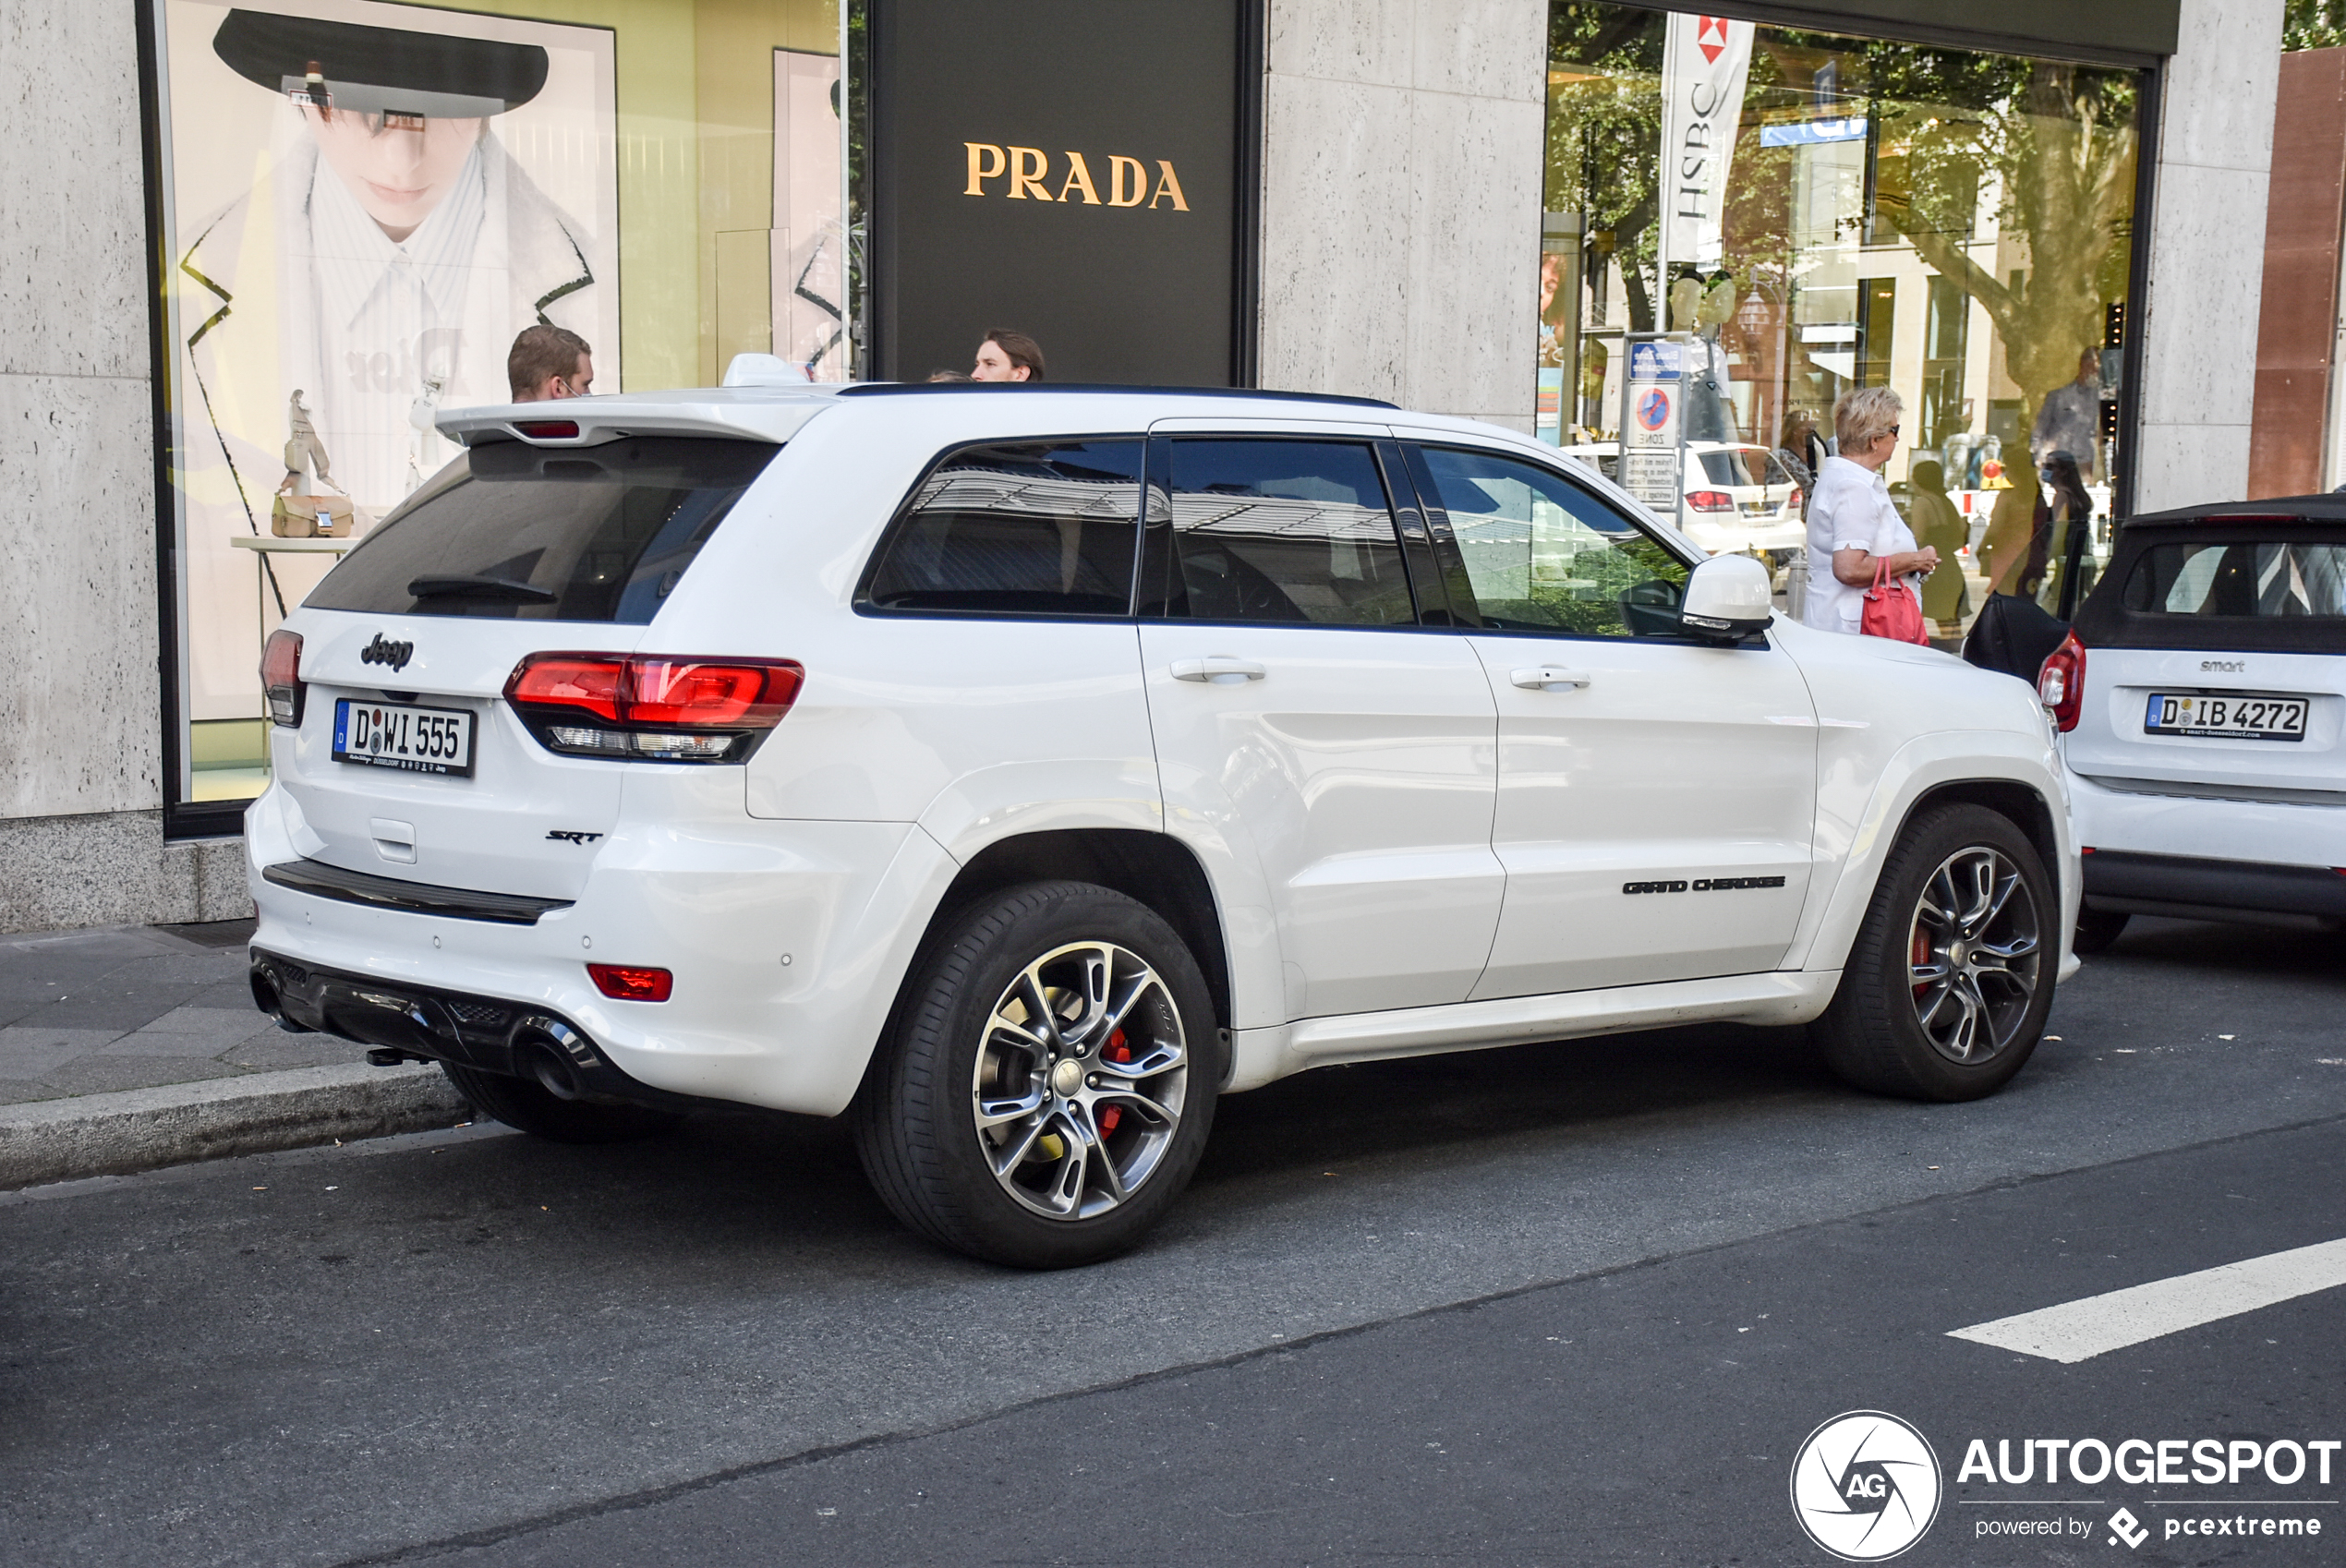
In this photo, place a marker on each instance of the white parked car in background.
(1016, 770)
(1740, 499)
(2201, 695)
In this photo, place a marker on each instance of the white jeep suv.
(1018, 769)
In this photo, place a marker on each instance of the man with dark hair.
(1006, 356)
(550, 362)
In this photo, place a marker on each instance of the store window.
(364, 204)
(1743, 223)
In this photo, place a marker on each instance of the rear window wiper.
(479, 589)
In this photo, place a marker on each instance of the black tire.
(2096, 929)
(1961, 882)
(972, 1129)
(533, 1108)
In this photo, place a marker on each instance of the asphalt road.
(1571, 1304)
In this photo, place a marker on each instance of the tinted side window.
(1544, 556)
(1278, 530)
(596, 533)
(1018, 528)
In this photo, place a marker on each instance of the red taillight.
(632, 983)
(591, 682)
(547, 429)
(654, 707)
(680, 692)
(2061, 683)
(1710, 500)
(1793, 503)
(281, 676)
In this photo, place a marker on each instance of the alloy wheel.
(1975, 954)
(1080, 1081)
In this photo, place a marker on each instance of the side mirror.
(1728, 598)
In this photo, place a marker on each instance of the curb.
(140, 1130)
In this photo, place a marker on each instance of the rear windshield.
(1742, 468)
(2266, 579)
(521, 532)
(2279, 588)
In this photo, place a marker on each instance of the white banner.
(1704, 62)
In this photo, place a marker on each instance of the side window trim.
(1436, 599)
(1449, 562)
(900, 519)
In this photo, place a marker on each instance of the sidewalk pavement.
(127, 1048)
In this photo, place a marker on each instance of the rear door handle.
(1548, 678)
(1219, 669)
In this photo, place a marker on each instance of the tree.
(1604, 138)
(2057, 144)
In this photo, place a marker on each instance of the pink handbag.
(1891, 612)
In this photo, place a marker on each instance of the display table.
(265, 546)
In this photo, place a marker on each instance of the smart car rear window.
(2266, 579)
(1018, 528)
(2221, 584)
(521, 532)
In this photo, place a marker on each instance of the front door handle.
(1548, 678)
(1219, 669)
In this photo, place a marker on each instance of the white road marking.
(2078, 1331)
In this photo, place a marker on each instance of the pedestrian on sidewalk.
(1006, 356)
(548, 362)
(1853, 528)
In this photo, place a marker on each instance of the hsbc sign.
(1705, 62)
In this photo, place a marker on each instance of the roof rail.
(964, 389)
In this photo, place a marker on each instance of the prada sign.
(1077, 172)
(1029, 171)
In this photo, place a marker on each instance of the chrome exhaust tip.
(546, 1065)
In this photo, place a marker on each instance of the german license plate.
(400, 735)
(2226, 717)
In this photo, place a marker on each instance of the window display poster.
(809, 241)
(366, 203)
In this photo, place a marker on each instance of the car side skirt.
(1263, 1055)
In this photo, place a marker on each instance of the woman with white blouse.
(1851, 526)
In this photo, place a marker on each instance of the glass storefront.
(365, 203)
(1743, 223)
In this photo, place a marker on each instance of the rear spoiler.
(771, 415)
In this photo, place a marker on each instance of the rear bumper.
(787, 941)
(2266, 833)
(486, 1033)
(2194, 887)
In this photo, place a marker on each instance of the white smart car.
(2203, 695)
(1018, 769)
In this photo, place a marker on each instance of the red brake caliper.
(1920, 954)
(1117, 1051)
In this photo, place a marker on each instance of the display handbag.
(1890, 610)
(311, 517)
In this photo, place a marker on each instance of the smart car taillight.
(281, 677)
(1710, 501)
(2061, 683)
(1792, 502)
(632, 983)
(652, 708)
